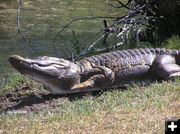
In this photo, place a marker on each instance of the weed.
(12, 81)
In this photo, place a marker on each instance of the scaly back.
(131, 56)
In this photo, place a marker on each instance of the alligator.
(108, 70)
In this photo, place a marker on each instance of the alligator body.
(108, 70)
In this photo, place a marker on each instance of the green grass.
(173, 42)
(16, 80)
(146, 105)
(12, 81)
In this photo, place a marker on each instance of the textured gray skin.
(114, 69)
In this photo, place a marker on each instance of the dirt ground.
(25, 100)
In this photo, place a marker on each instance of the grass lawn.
(136, 110)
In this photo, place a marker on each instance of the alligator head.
(56, 74)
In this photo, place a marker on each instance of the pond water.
(41, 20)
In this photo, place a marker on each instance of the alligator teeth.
(24, 63)
(35, 65)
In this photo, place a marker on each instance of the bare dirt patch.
(25, 99)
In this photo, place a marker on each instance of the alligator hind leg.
(165, 67)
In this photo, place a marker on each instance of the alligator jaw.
(20, 63)
(56, 74)
(26, 66)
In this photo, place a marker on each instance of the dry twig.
(19, 31)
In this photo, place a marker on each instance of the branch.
(70, 2)
(86, 51)
(81, 18)
(18, 20)
(129, 20)
(121, 5)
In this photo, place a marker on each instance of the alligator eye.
(59, 66)
(40, 57)
(44, 57)
(40, 65)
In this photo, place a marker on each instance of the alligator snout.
(16, 61)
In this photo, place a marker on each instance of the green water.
(41, 20)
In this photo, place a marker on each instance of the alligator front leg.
(90, 83)
(104, 77)
(165, 67)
